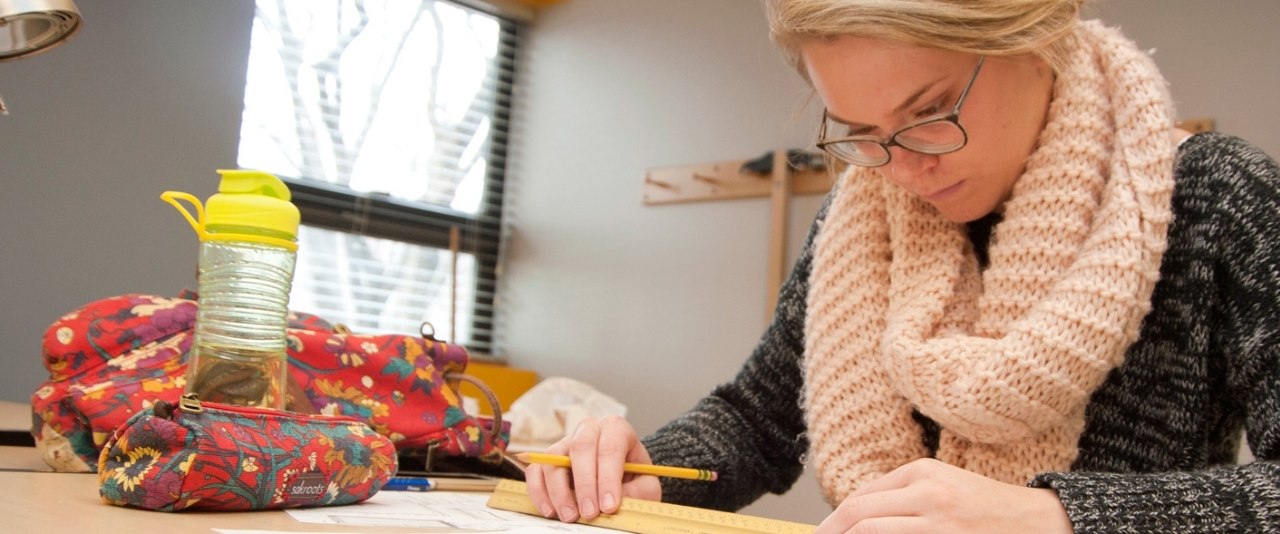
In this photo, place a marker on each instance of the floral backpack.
(118, 356)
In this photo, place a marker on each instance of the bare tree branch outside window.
(390, 101)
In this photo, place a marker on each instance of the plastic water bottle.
(248, 245)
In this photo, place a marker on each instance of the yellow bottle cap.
(249, 206)
(251, 200)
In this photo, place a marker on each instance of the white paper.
(462, 511)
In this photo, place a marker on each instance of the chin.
(964, 219)
(964, 212)
(961, 216)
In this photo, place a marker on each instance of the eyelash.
(933, 109)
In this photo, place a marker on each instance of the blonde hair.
(983, 27)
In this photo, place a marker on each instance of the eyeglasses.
(938, 134)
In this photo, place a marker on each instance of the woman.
(1029, 305)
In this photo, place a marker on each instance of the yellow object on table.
(507, 383)
(653, 517)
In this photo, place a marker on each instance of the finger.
(557, 484)
(892, 525)
(901, 477)
(644, 487)
(583, 455)
(853, 511)
(537, 488)
(617, 445)
(560, 489)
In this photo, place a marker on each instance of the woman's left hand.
(929, 496)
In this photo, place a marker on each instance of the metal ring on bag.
(423, 330)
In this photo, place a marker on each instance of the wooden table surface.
(68, 502)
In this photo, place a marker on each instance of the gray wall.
(654, 305)
(147, 97)
(651, 304)
(1220, 57)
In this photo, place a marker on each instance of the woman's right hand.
(595, 483)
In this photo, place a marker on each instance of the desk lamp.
(29, 27)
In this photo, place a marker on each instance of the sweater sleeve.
(1245, 187)
(749, 430)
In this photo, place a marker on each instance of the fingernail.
(568, 514)
(587, 508)
(607, 502)
(546, 510)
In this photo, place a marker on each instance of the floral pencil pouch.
(212, 456)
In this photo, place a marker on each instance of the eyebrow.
(910, 101)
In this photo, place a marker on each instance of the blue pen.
(409, 484)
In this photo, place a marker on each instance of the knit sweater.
(1161, 435)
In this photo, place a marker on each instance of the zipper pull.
(190, 403)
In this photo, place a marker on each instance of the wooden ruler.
(650, 517)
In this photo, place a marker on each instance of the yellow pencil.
(639, 469)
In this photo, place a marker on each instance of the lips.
(944, 193)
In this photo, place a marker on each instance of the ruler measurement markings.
(649, 517)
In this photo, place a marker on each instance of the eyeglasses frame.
(952, 116)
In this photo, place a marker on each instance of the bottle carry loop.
(197, 223)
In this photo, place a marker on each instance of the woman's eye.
(929, 111)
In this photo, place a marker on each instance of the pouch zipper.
(191, 403)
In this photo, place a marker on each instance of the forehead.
(861, 79)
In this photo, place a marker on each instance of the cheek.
(994, 174)
(1005, 127)
(990, 178)
(1001, 148)
(1002, 185)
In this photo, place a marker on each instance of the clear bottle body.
(238, 355)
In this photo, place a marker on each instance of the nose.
(907, 166)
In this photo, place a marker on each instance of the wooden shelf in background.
(1202, 124)
(722, 181)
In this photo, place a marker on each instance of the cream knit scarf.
(900, 317)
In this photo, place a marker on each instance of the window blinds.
(390, 120)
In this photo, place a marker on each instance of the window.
(389, 121)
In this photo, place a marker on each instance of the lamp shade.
(29, 27)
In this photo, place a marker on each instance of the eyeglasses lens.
(934, 137)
